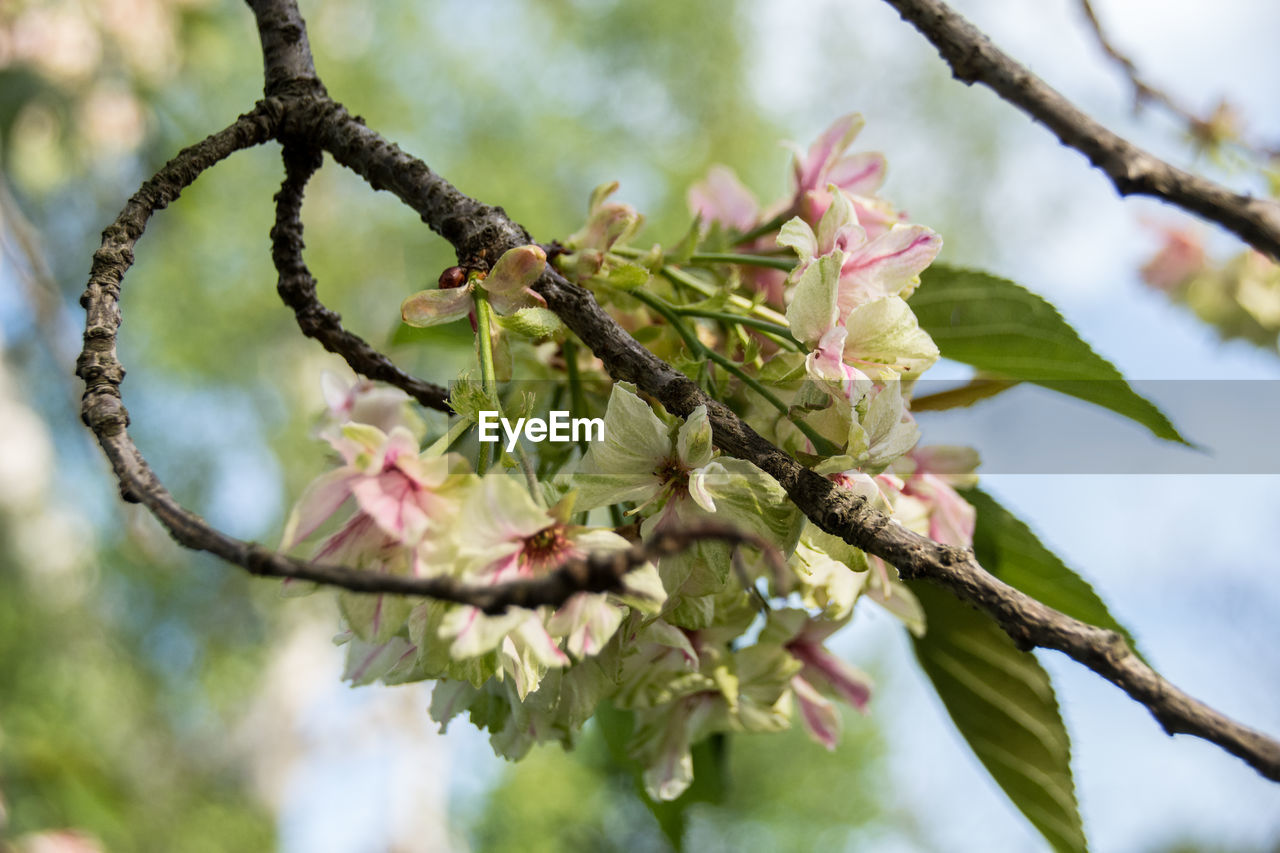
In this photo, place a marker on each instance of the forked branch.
(1133, 171)
(299, 113)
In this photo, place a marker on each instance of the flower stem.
(576, 398)
(746, 260)
(697, 348)
(778, 334)
(488, 376)
(444, 442)
(766, 227)
(764, 312)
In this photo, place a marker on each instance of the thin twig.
(297, 287)
(1200, 128)
(1133, 171)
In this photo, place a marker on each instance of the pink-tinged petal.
(672, 774)
(539, 643)
(58, 841)
(886, 265)
(824, 668)
(819, 714)
(474, 633)
(839, 229)
(876, 215)
(952, 519)
(862, 485)
(826, 363)
(859, 174)
(401, 445)
(587, 621)
(812, 205)
(433, 307)
(391, 500)
(811, 173)
(339, 394)
(318, 503)
(511, 301)
(1179, 258)
(515, 270)
(721, 197)
(357, 538)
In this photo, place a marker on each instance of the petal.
(339, 394)
(886, 332)
(320, 501)
(826, 364)
(820, 716)
(534, 637)
(392, 501)
(839, 228)
(433, 307)
(474, 633)
(693, 441)
(700, 479)
(814, 305)
(588, 621)
(796, 234)
(876, 215)
(887, 265)
(848, 682)
(517, 269)
(623, 466)
(859, 174)
(721, 197)
(811, 174)
(953, 518)
(946, 459)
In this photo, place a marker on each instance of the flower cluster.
(823, 357)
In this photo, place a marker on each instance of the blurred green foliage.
(115, 704)
(770, 793)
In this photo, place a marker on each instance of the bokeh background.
(157, 700)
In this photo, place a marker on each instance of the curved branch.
(1133, 171)
(297, 288)
(104, 412)
(98, 365)
(481, 233)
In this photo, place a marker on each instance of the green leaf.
(1001, 700)
(977, 389)
(1008, 549)
(538, 324)
(1001, 327)
(710, 771)
(627, 276)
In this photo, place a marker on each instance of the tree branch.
(1133, 171)
(297, 288)
(1203, 129)
(481, 233)
(99, 367)
(299, 110)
